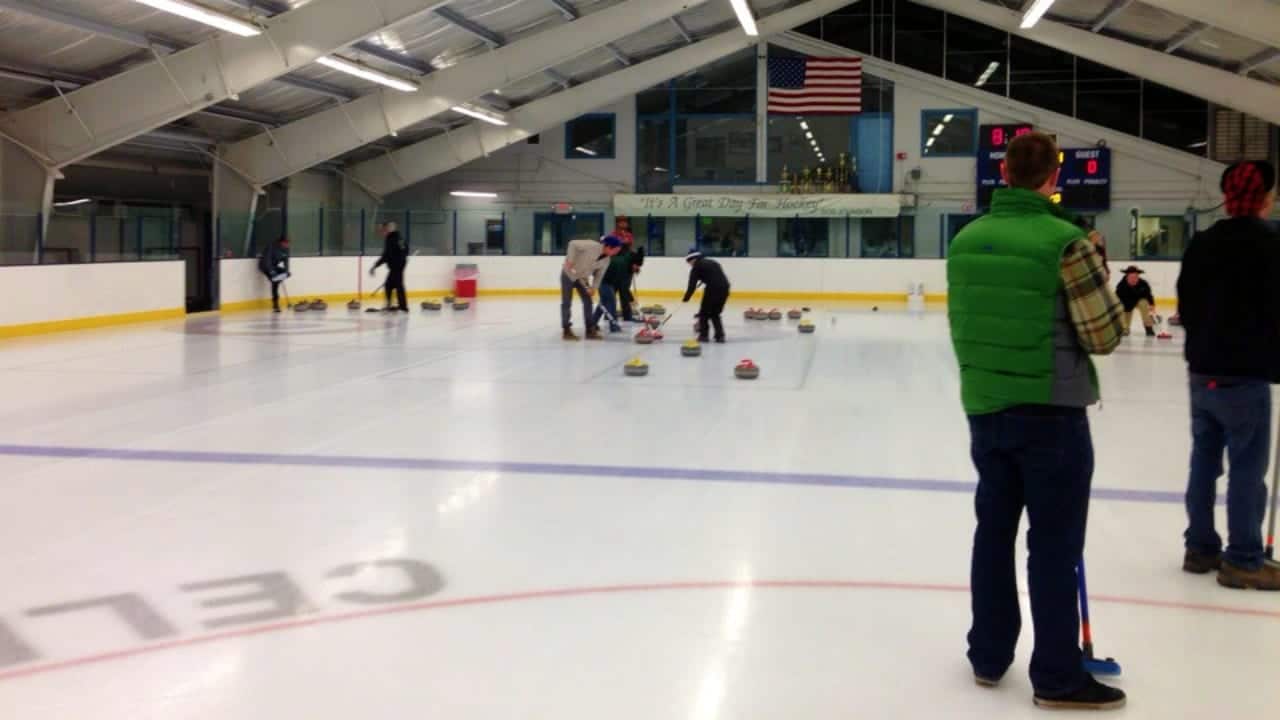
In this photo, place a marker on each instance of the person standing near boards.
(395, 256)
(1028, 303)
(708, 272)
(274, 263)
(1232, 323)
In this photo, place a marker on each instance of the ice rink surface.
(457, 515)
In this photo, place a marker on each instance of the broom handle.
(1271, 524)
(1085, 629)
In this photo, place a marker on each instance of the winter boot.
(569, 334)
(594, 334)
(1151, 332)
(1198, 563)
(1093, 696)
(1266, 577)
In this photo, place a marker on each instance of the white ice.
(635, 588)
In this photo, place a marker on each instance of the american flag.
(815, 86)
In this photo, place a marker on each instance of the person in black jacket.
(396, 256)
(1135, 294)
(708, 272)
(274, 263)
(1233, 355)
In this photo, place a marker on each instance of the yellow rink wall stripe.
(89, 323)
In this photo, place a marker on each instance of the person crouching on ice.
(585, 262)
(704, 270)
(1135, 293)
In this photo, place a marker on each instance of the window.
(655, 237)
(1042, 76)
(804, 237)
(727, 87)
(888, 237)
(949, 133)
(977, 55)
(653, 154)
(723, 237)
(918, 37)
(714, 150)
(1107, 97)
(1175, 118)
(590, 137)
(1161, 236)
(798, 143)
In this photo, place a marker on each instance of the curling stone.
(302, 307)
(353, 305)
(775, 314)
(319, 305)
(449, 299)
(645, 337)
(807, 327)
(691, 348)
(749, 314)
(635, 367)
(646, 309)
(431, 305)
(746, 370)
(794, 314)
(461, 304)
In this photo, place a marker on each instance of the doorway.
(552, 232)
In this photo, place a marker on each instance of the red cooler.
(464, 280)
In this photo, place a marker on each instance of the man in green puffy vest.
(1028, 303)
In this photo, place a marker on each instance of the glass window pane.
(716, 150)
(1107, 97)
(804, 237)
(655, 240)
(792, 141)
(654, 101)
(723, 237)
(1161, 237)
(590, 137)
(727, 86)
(977, 54)
(948, 133)
(888, 237)
(1175, 118)
(653, 155)
(1041, 75)
(918, 37)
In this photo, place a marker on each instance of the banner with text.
(758, 205)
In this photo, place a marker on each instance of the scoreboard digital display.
(993, 140)
(997, 137)
(1084, 184)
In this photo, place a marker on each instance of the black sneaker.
(1151, 332)
(720, 340)
(1198, 563)
(704, 339)
(1093, 696)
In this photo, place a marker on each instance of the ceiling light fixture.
(809, 135)
(488, 116)
(473, 194)
(1035, 12)
(986, 74)
(745, 17)
(367, 73)
(932, 140)
(939, 130)
(948, 118)
(69, 203)
(586, 151)
(804, 125)
(213, 18)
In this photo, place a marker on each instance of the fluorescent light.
(809, 135)
(744, 16)
(488, 116)
(1202, 143)
(660, 169)
(367, 73)
(932, 140)
(82, 201)
(204, 15)
(938, 130)
(986, 74)
(804, 125)
(473, 194)
(1037, 11)
(586, 151)
(948, 118)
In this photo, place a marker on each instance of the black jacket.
(1229, 300)
(1130, 296)
(394, 255)
(709, 273)
(274, 260)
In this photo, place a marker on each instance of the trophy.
(842, 174)
(785, 187)
(806, 182)
(828, 180)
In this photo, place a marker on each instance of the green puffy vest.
(1004, 282)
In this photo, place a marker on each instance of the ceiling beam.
(460, 21)
(680, 28)
(566, 8)
(87, 121)
(1186, 35)
(618, 55)
(1218, 86)
(1257, 20)
(1107, 15)
(335, 131)
(423, 160)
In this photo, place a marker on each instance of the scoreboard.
(1084, 184)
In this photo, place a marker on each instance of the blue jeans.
(607, 301)
(1235, 418)
(1041, 459)
(567, 288)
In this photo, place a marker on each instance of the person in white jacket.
(584, 266)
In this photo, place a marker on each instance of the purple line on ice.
(533, 468)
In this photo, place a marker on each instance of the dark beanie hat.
(1245, 186)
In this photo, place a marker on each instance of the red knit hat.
(1245, 186)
